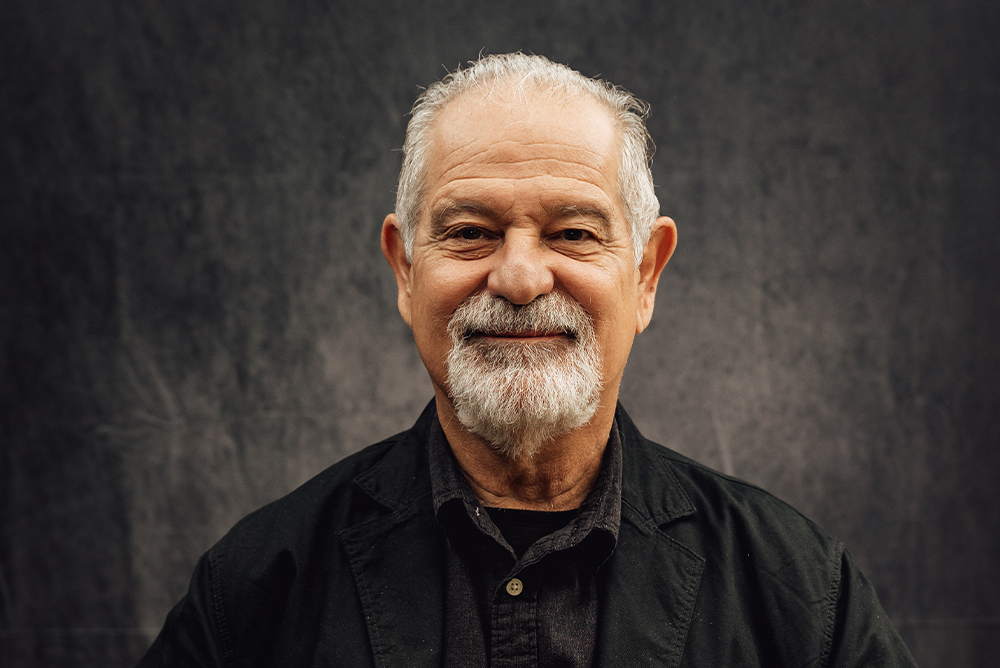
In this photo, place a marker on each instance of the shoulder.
(304, 524)
(724, 499)
(281, 576)
(719, 517)
(262, 581)
(328, 500)
(772, 583)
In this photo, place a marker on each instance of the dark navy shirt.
(512, 600)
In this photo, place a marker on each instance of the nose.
(520, 272)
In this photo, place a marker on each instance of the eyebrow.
(441, 218)
(583, 211)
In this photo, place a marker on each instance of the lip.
(522, 336)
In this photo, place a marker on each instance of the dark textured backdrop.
(195, 316)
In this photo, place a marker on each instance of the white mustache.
(486, 314)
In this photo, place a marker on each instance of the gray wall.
(195, 316)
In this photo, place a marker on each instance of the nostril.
(521, 272)
(521, 284)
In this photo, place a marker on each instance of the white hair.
(517, 71)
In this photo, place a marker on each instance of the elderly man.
(524, 521)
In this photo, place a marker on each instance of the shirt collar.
(600, 511)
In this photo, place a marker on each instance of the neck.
(558, 477)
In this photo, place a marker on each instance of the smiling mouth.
(526, 336)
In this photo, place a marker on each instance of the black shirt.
(512, 599)
(351, 570)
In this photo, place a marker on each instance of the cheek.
(433, 306)
(612, 303)
(616, 320)
(443, 286)
(430, 320)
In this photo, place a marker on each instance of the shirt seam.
(832, 597)
(219, 610)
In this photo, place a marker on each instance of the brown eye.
(470, 234)
(573, 235)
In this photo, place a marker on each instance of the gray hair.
(635, 181)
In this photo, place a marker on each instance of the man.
(523, 520)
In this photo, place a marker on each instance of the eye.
(469, 234)
(573, 235)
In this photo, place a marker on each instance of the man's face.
(521, 200)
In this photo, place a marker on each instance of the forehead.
(552, 145)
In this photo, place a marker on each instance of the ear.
(660, 247)
(395, 252)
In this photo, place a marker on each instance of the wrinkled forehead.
(522, 134)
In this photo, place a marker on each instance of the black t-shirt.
(522, 528)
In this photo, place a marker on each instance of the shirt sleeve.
(194, 633)
(860, 633)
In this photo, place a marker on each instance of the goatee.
(517, 395)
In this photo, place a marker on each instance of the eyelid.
(457, 230)
(585, 233)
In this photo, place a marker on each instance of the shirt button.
(515, 587)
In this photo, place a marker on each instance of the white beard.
(517, 396)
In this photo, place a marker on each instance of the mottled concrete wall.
(195, 315)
